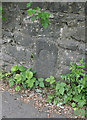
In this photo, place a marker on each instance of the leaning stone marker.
(46, 58)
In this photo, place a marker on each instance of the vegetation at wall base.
(70, 90)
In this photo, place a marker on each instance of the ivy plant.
(73, 90)
(20, 77)
(37, 13)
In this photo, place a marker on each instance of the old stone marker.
(46, 58)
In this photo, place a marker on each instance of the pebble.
(22, 91)
(24, 95)
(26, 91)
(48, 115)
(31, 95)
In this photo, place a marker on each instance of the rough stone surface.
(54, 48)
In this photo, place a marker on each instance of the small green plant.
(50, 98)
(20, 77)
(60, 87)
(50, 80)
(32, 56)
(1, 14)
(40, 82)
(73, 90)
(36, 13)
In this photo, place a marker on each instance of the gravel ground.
(14, 108)
(27, 104)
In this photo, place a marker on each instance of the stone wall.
(53, 48)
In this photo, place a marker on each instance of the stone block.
(79, 34)
(17, 52)
(69, 44)
(45, 58)
(53, 30)
(82, 48)
(30, 28)
(22, 39)
(67, 56)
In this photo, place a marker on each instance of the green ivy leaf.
(21, 68)
(2, 75)
(29, 11)
(41, 84)
(47, 80)
(30, 84)
(28, 69)
(81, 103)
(65, 98)
(61, 90)
(8, 73)
(11, 79)
(73, 104)
(14, 68)
(34, 18)
(76, 98)
(29, 4)
(17, 88)
(51, 77)
(38, 10)
(63, 84)
(79, 89)
(45, 25)
(33, 79)
(23, 75)
(11, 83)
(40, 79)
(51, 82)
(28, 81)
(17, 77)
(29, 74)
(3, 18)
(63, 77)
(36, 83)
(50, 96)
(55, 102)
(48, 100)
(24, 85)
(57, 86)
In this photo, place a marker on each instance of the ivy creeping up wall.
(49, 50)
